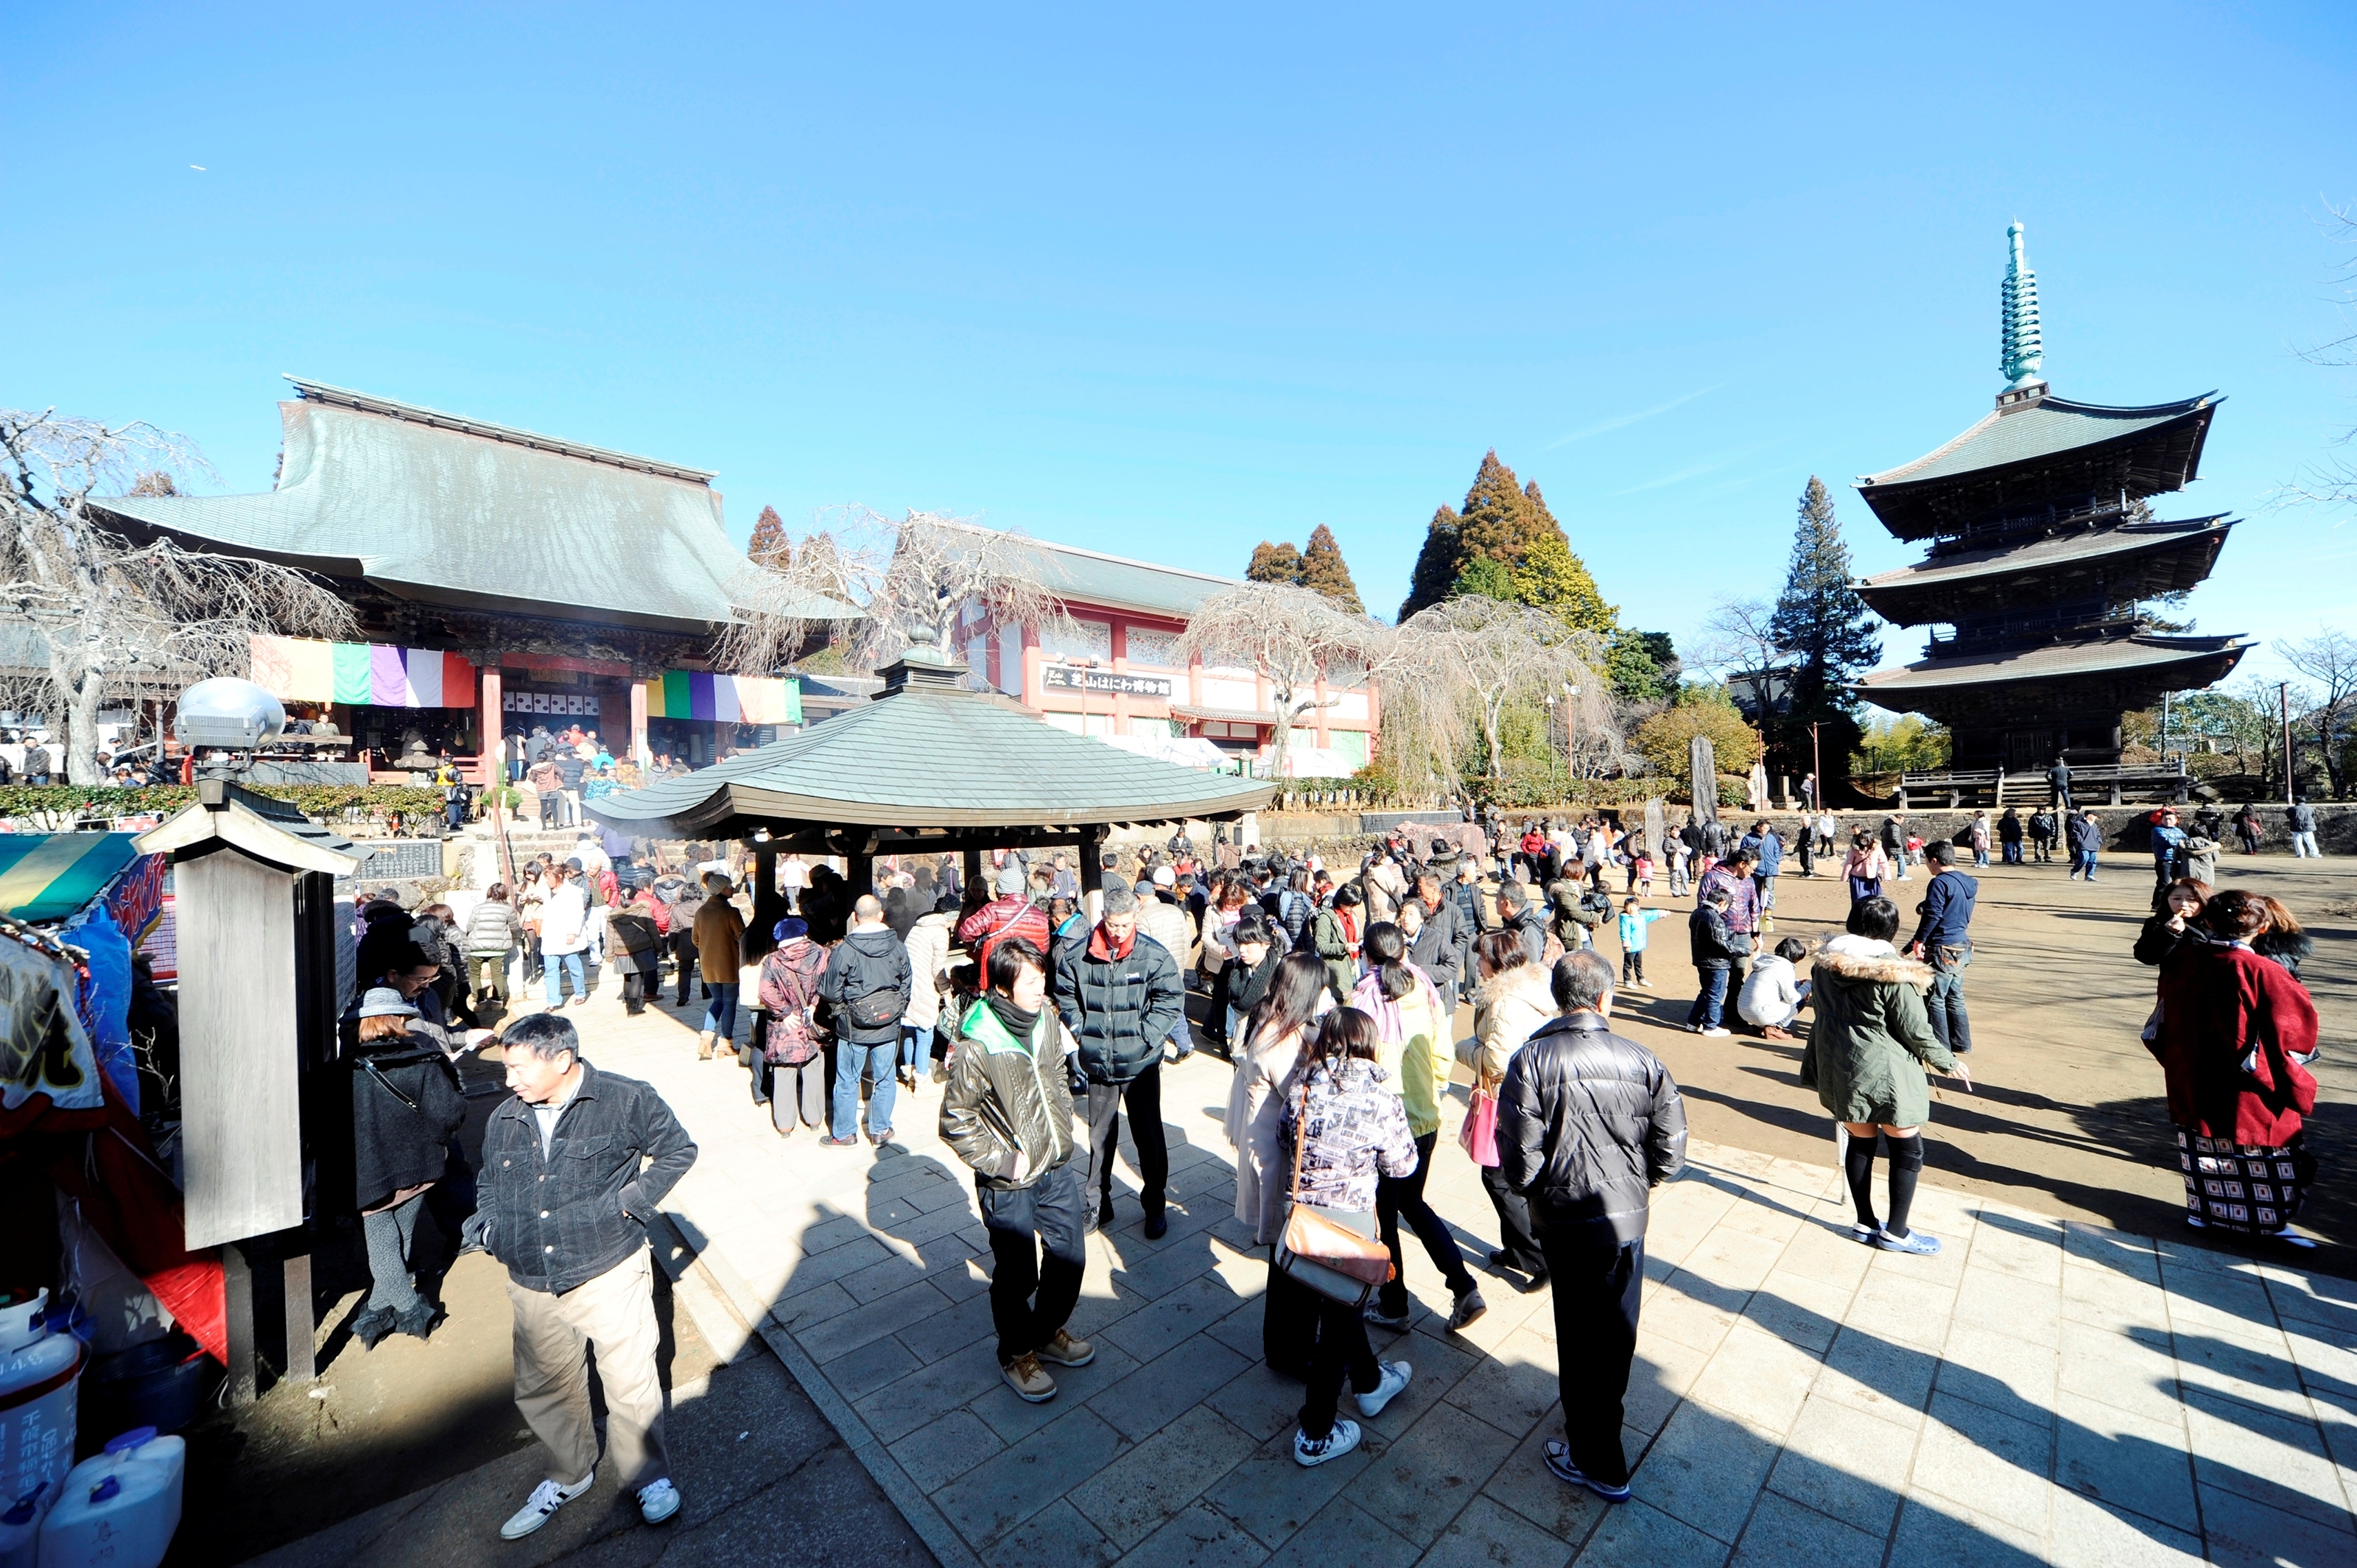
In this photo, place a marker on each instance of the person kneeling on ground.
(1773, 994)
(1007, 1112)
(567, 1146)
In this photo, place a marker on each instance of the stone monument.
(1706, 779)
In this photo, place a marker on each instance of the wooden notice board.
(239, 1049)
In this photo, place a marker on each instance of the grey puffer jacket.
(869, 963)
(1589, 1123)
(492, 930)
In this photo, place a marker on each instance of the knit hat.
(1010, 881)
(385, 1002)
(790, 928)
(1165, 877)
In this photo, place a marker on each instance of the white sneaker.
(1396, 1376)
(546, 1500)
(658, 1501)
(1716, 1033)
(1337, 1443)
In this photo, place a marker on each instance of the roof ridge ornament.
(2024, 348)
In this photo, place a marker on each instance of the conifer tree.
(1485, 578)
(1826, 628)
(1323, 568)
(1499, 523)
(1274, 563)
(1436, 565)
(770, 547)
(1550, 578)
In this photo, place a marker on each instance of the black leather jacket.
(1589, 1123)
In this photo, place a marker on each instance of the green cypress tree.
(1824, 626)
(1485, 578)
(1436, 565)
(1551, 577)
(1323, 568)
(1275, 563)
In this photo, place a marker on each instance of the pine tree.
(1323, 568)
(1275, 563)
(1550, 578)
(1819, 619)
(1499, 522)
(1436, 565)
(770, 547)
(1485, 578)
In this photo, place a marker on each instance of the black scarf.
(1018, 1023)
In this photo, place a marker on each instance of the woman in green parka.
(1865, 1058)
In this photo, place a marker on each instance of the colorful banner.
(726, 699)
(299, 670)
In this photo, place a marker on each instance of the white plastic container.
(118, 1508)
(40, 1374)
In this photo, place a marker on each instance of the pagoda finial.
(2024, 348)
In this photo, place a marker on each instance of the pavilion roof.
(2135, 658)
(927, 763)
(447, 510)
(2034, 448)
(2133, 561)
(1093, 578)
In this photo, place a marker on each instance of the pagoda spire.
(2024, 348)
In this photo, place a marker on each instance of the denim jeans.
(720, 1012)
(1708, 1006)
(852, 1058)
(2013, 852)
(559, 965)
(2083, 859)
(1943, 1006)
(913, 1044)
(2303, 846)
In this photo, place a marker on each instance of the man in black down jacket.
(866, 987)
(574, 1163)
(1120, 995)
(1589, 1123)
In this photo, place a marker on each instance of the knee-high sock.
(1857, 1163)
(1906, 1163)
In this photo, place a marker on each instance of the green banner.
(352, 674)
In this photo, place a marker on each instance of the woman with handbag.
(1515, 999)
(793, 1050)
(1267, 1076)
(1345, 1126)
(1410, 1027)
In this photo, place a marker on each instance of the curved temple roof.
(444, 510)
(928, 758)
(2161, 658)
(2134, 561)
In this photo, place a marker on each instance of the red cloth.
(1012, 916)
(1102, 953)
(2220, 1007)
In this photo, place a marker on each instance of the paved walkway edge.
(946, 1545)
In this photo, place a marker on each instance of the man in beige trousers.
(574, 1163)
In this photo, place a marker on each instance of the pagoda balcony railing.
(2053, 626)
(2048, 518)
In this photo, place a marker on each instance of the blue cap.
(130, 1440)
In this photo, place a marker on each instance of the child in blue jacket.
(1633, 922)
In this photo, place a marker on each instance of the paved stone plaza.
(2041, 1392)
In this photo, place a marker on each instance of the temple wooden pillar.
(970, 866)
(639, 752)
(768, 903)
(1091, 852)
(492, 729)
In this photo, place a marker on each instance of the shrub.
(326, 802)
(1664, 740)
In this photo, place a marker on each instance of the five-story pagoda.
(2043, 555)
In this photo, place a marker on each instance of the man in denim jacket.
(574, 1163)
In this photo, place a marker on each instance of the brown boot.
(1025, 1377)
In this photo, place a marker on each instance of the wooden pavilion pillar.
(639, 752)
(970, 866)
(491, 731)
(768, 903)
(1093, 838)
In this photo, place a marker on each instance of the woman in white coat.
(1268, 1062)
(1516, 996)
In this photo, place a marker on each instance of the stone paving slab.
(2043, 1390)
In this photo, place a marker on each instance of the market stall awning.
(48, 877)
(928, 762)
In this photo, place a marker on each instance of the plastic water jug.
(118, 1508)
(40, 1371)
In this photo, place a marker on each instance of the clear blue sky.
(1171, 285)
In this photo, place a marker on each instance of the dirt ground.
(2067, 1114)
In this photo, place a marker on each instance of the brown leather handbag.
(1338, 1253)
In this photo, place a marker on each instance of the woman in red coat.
(2236, 1034)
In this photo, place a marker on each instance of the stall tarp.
(48, 877)
(46, 1060)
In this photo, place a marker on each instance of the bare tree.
(2328, 659)
(2334, 482)
(909, 581)
(1481, 655)
(111, 615)
(1739, 644)
(1293, 635)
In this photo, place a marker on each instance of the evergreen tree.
(770, 547)
(1323, 568)
(1275, 563)
(1499, 521)
(1550, 578)
(1436, 565)
(1640, 665)
(1485, 578)
(1824, 625)
(1819, 620)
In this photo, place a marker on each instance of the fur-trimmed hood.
(1856, 958)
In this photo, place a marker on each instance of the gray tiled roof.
(446, 511)
(2135, 656)
(1071, 571)
(928, 759)
(2040, 554)
(2029, 430)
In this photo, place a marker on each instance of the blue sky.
(1168, 286)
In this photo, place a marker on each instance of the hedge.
(327, 801)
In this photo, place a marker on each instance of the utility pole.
(2283, 710)
(1816, 768)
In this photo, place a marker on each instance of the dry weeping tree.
(910, 583)
(1469, 659)
(1292, 635)
(112, 616)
